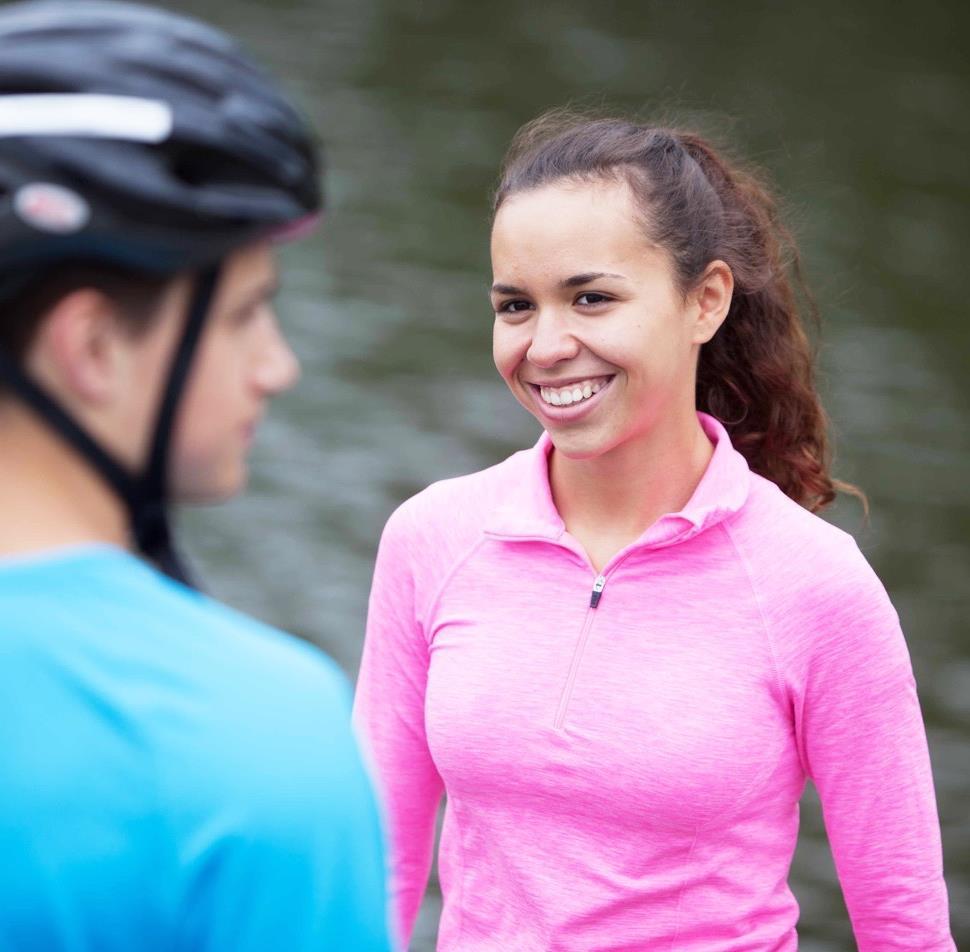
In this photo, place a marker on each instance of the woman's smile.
(571, 400)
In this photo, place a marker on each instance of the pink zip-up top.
(623, 754)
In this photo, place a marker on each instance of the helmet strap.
(120, 479)
(150, 516)
(145, 496)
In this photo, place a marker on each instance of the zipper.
(594, 600)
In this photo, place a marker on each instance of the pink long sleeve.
(860, 737)
(389, 710)
(623, 769)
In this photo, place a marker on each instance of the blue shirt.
(173, 775)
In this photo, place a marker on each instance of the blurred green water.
(859, 114)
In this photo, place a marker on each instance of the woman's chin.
(579, 445)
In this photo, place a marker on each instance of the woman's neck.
(51, 497)
(609, 501)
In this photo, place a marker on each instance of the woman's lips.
(575, 392)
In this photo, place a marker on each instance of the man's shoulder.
(163, 653)
(259, 678)
(164, 709)
(251, 720)
(239, 646)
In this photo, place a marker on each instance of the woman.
(622, 653)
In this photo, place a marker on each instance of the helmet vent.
(211, 168)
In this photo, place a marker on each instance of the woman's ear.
(712, 296)
(80, 352)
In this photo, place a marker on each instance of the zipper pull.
(594, 599)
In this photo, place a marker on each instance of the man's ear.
(79, 349)
(712, 295)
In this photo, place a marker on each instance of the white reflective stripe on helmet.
(88, 115)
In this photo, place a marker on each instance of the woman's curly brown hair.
(757, 375)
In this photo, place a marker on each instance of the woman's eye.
(592, 297)
(513, 307)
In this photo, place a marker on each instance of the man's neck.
(50, 496)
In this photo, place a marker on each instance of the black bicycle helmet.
(145, 139)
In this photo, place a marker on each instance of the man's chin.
(212, 492)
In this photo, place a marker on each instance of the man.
(173, 775)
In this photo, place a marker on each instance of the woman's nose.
(552, 340)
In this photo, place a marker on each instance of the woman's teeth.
(564, 396)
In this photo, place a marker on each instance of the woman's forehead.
(569, 230)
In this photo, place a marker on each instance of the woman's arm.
(389, 714)
(863, 743)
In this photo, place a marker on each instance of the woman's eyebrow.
(578, 279)
(571, 282)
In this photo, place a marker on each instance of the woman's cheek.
(508, 351)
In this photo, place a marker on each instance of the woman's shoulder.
(775, 525)
(793, 551)
(456, 510)
(807, 572)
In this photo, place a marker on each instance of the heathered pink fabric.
(626, 777)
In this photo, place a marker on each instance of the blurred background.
(858, 112)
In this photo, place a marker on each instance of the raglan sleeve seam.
(448, 575)
(745, 563)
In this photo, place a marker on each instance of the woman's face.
(592, 335)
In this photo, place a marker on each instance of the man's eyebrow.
(587, 277)
(506, 289)
(264, 292)
(271, 288)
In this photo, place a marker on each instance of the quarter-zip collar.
(529, 511)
